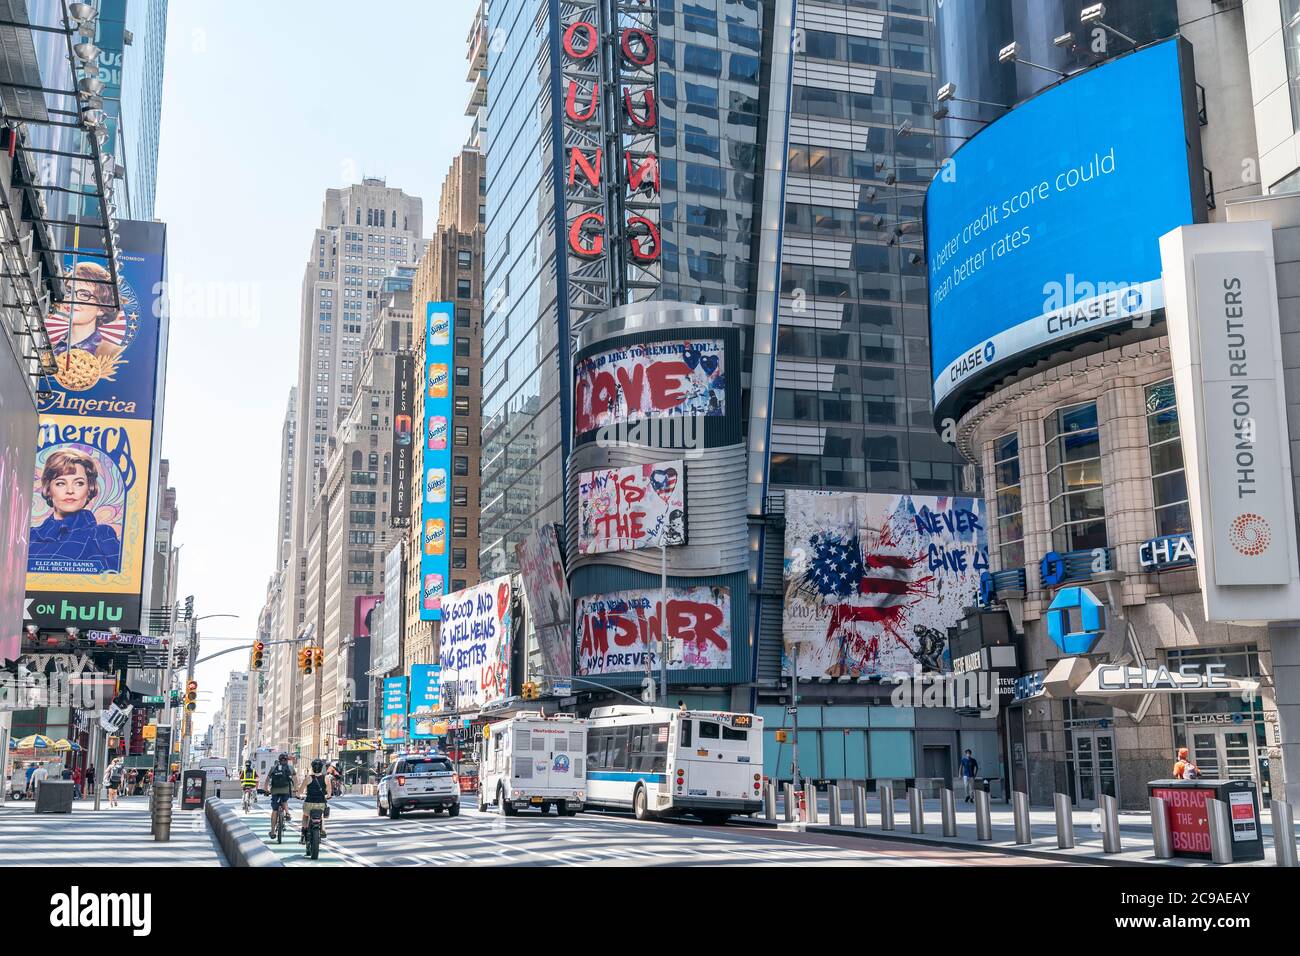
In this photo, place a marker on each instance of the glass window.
(1168, 476)
(730, 733)
(1078, 515)
(1291, 41)
(1006, 483)
(686, 733)
(708, 730)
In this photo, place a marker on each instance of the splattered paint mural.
(873, 582)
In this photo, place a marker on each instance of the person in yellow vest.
(248, 781)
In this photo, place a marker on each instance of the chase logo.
(989, 351)
(1130, 300)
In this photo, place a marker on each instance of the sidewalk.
(1135, 832)
(113, 836)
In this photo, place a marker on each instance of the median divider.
(240, 844)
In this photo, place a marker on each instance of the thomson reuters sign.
(1225, 343)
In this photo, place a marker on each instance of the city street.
(358, 837)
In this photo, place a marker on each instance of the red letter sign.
(571, 103)
(598, 238)
(590, 49)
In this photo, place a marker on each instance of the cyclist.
(279, 782)
(316, 790)
(249, 783)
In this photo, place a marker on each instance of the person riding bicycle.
(315, 792)
(279, 781)
(249, 783)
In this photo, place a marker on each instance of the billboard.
(364, 613)
(474, 649)
(874, 581)
(403, 437)
(424, 699)
(90, 485)
(654, 380)
(1045, 226)
(549, 603)
(623, 509)
(17, 426)
(1226, 349)
(394, 708)
(435, 483)
(614, 632)
(386, 650)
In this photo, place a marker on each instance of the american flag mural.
(873, 582)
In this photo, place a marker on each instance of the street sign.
(155, 699)
(792, 711)
(562, 688)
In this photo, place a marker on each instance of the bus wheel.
(639, 808)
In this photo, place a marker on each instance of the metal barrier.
(1220, 830)
(162, 811)
(769, 801)
(810, 801)
(859, 805)
(916, 809)
(836, 818)
(1161, 839)
(791, 807)
(1064, 821)
(886, 792)
(983, 817)
(1284, 849)
(948, 809)
(1020, 814)
(1110, 839)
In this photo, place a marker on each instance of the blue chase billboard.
(1045, 226)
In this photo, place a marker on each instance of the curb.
(241, 846)
(1056, 856)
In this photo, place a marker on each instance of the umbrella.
(13, 744)
(61, 746)
(35, 742)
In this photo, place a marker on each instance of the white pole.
(663, 622)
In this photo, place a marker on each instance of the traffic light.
(529, 691)
(192, 695)
(319, 656)
(781, 736)
(306, 658)
(175, 697)
(258, 649)
(189, 608)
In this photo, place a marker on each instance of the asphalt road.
(358, 836)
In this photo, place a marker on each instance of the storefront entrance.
(1223, 752)
(1094, 767)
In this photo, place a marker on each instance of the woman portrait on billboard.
(94, 324)
(71, 538)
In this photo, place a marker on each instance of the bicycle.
(277, 823)
(313, 832)
(250, 799)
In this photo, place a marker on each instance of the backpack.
(281, 776)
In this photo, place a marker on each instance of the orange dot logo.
(1249, 534)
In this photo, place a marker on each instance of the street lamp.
(1095, 14)
(1011, 54)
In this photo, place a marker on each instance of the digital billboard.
(474, 649)
(94, 450)
(425, 699)
(623, 509)
(614, 632)
(1045, 226)
(394, 708)
(403, 437)
(874, 581)
(549, 603)
(435, 483)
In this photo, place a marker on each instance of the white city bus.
(659, 761)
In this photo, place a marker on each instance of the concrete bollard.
(1110, 839)
(769, 801)
(1064, 821)
(791, 807)
(836, 819)
(810, 800)
(916, 810)
(859, 805)
(1020, 815)
(886, 792)
(1220, 830)
(983, 817)
(1284, 849)
(1161, 838)
(948, 805)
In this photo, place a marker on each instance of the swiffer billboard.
(1044, 228)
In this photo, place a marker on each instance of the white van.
(534, 761)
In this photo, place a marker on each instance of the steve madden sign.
(1246, 490)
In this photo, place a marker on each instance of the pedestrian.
(114, 782)
(1184, 768)
(39, 775)
(27, 783)
(90, 781)
(969, 768)
(77, 780)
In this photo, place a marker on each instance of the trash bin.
(54, 796)
(1189, 824)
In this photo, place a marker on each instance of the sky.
(264, 107)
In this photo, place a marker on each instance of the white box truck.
(531, 760)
